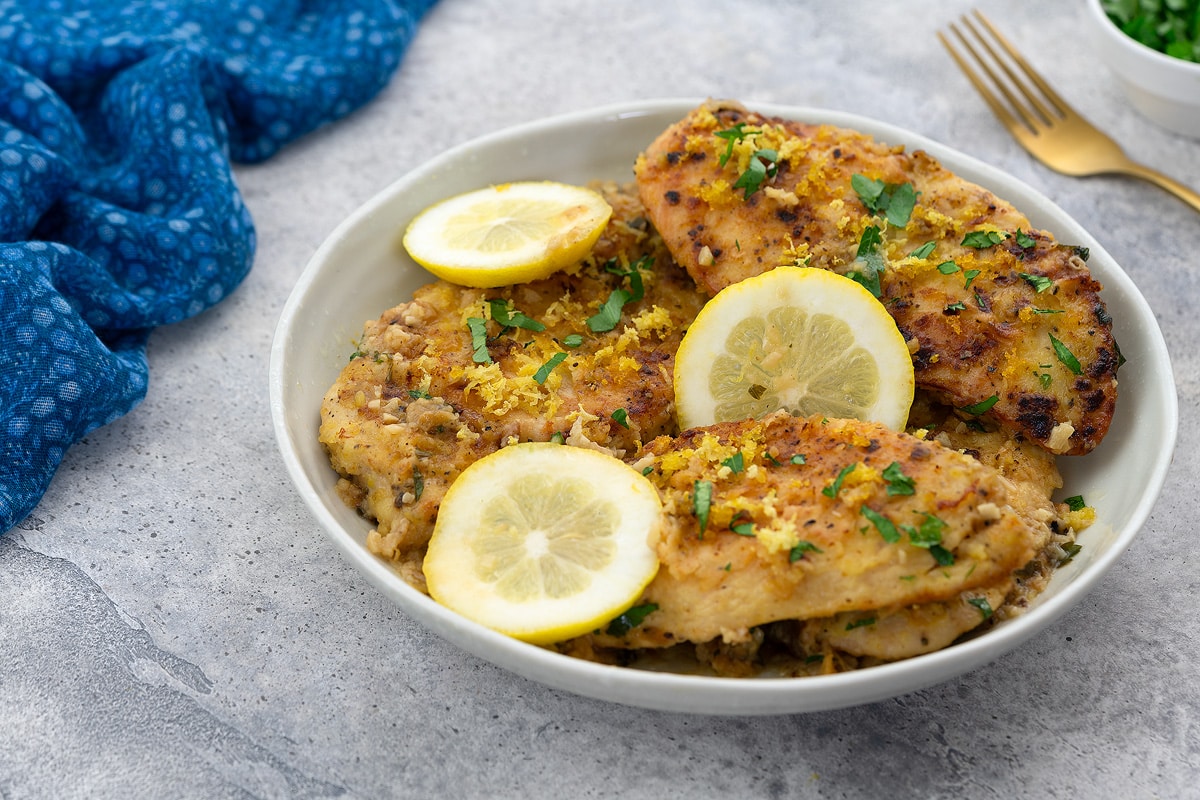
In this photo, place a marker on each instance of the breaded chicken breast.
(888, 543)
(1002, 320)
(583, 356)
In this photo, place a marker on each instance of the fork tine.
(1062, 109)
(998, 108)
(1033, 112)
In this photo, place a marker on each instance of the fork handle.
(1173, 186)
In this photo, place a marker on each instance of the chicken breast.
(844, 523)
(1002, 320)
(437, 382)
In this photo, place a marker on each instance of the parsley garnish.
(1075, 502)
(929, 535)
(509, 317)
(479, 351)
(545, 370)
(882, 524)
(982, 239)
(1025, 240)
(982, 407)
(1065, 356)
(630, 619)
(954, 308)
(924, 251)
(858, 623)
(895, 201)
(985, 608)
(762, 166)
(622, 417)
(418, 484)
(832, 489)
(970, 276)
(1039, 282)
(702, 503)
(572, 340)
(732, 136)
(417, 394)
(1071, 551)
(741, 528)
(610, 312)
(947, 268)
(735, 462)
(871, 259)
(798, 459)
(897, 482)
(801, 547)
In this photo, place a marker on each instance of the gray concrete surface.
(174, 624)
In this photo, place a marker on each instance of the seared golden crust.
(982, 321)
(414, 407)
(790, 538)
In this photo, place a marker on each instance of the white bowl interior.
(361, 270)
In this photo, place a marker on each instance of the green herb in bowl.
(1168, 26)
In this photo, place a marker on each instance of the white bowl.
(361, 270)
(1163, 88)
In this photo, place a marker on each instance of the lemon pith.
(508, 233)
(544, 541)
(804, 340)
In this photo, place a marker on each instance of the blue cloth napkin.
(118, 209)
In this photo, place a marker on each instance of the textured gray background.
(174, 624)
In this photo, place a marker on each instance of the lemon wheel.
(543, 541)
(805, 340)
(508, 233)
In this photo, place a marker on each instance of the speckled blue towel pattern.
(118, 208)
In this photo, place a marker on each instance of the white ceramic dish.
(1164, 89)
(361, 270)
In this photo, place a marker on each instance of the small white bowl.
(1163, 88)
(362, 269)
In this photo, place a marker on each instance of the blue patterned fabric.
(118, 209)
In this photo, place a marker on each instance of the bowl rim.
(1136, 48)
(693, 693)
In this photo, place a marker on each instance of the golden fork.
(1039, 119)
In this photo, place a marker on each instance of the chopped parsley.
(609, 314)
(954, 308)
(859, 623)
(832, 489)
(479, 350)
(740, 525)
(418, 394)
(1071, 550)
(735, 462)
(982, 407)
(985, 608)
(1039, 282)
(895, 201)
(622, 417)
(870, 259)
(732, 136)
(509, 317)
(928, 534)
(630, 619)
(544, 372)
(947, 268)
(1065, 356)
(418, 484)
(800, 548)
(983, 239)
(1024, 240)
(798, 459)
(897, 482)
(1075, 502)
(572, 340)
(969, 277)
(886, 528)
(1168, 26)
(702, 503)
(762, 166)
(924, 251)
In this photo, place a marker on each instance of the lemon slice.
(806, 340)
(544, 541)
(510, 233)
